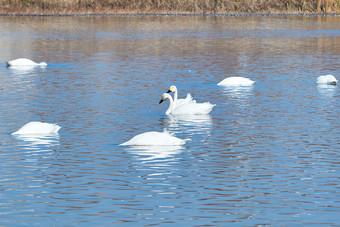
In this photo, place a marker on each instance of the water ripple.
(265, 155)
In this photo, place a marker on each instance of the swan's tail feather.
(189, 98)
(165, 131)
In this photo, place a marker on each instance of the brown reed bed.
(88, 7)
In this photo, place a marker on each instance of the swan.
(178, 102)
(24, 62)
(191, 108)
(236, 81)
(327, 79)
(36, 127)
(154, 139)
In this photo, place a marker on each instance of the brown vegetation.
(62, 7)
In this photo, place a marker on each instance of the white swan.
(188, 108)
(24, 62)
(36, 127)
(178, 102)
(327, 79)
(236, 81)
(154, 139)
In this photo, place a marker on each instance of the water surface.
(266, 155)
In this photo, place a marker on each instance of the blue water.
(265, 155)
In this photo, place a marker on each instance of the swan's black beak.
(168, 91)
(160, 101)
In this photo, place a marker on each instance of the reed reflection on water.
(265, 155)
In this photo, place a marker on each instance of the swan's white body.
(179, 102)
(36, 127)
(191, 108)
(24, 62)
(327, 79)
(236, 81)
(154, 139)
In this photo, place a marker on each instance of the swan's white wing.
(36, 127)
(154, 139)
(21, 62)
(24, 62)
(236, 81)
(188, 99)
(326, 79)
(193, 109)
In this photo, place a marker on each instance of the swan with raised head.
(154, 139)
(236, 81)
(24, 62)
(36, 127)
(327, 79)
(191, 108)
(178, 102)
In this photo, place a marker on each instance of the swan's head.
(164, 97)
(172, 89)
(43, 64)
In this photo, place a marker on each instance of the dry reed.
(62, 7)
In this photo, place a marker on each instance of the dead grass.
(62, 7)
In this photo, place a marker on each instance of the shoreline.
(163, 14)
(167, 7)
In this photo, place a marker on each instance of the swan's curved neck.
(171, 105)
(175, 96)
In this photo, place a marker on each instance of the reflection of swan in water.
(197, 126)
(199, 122)
(327, 79)
(179, 102)
(24, 62)
(155, 152)
(23, 70)
(238, 92)
(35, 141)
(236, 81)
(191, 108)
(327, 89)
(154, 139)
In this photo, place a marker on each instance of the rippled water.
(266, 155)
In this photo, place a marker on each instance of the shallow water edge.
(234, 14)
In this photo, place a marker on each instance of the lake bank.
(165, 14)
(167, 7)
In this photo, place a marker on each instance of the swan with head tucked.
(191, 108)
(327, 79)
(37, 128)
(236, 81)
(24, 62)
(178, 102)
(154, 139)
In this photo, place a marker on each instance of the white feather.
(177, 101)
(36, 127)
(327, 79)
(154, 139)
(236, 81)
(191, 108)
(24, 62)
